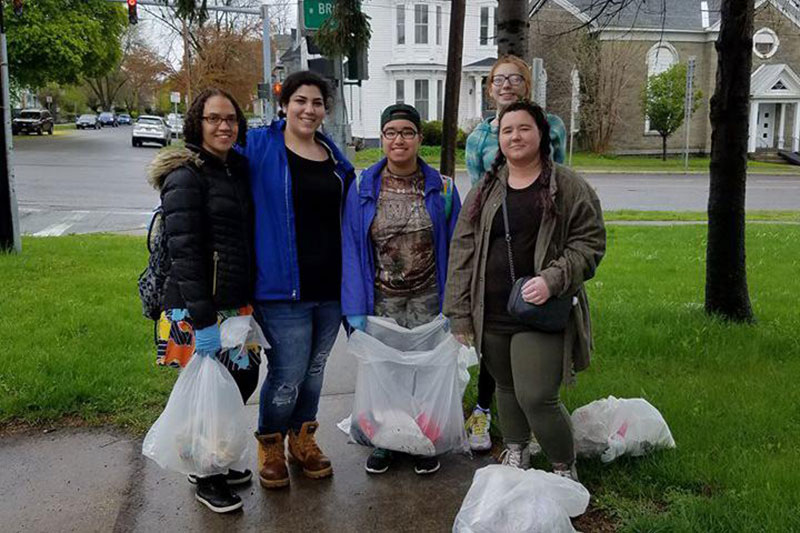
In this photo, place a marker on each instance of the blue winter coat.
(358, 262)
(277, 270)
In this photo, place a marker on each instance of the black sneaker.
(214, 493)
(378, 461)
(233, 477)
(426, 465)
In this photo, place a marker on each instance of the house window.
(421, 98)
(421, 23)
(484, 34)
(494, 37)
(438, 24)
(660, 58)
(400, 91)
(765, 43)
(401, 24)
(439, 99)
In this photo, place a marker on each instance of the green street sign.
(315, 12)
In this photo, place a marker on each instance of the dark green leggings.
(527, 368)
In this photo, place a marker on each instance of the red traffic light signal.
(276, 88)
(133, 17)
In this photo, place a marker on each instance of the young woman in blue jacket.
(398, 222)
(299, 182)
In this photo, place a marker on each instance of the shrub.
(432, 133)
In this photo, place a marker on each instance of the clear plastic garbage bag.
(203, 429)
(504, 499)
(613, 427)
(409, 387)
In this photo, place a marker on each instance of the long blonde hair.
(524, 70)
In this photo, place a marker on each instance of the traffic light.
(18, 7)
(276, 89)
(133, 17)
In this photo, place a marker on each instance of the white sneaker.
(478, 430)
(567, 471)
(516, 455)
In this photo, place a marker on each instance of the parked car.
(152, 129)
(87, 121)
(108, 118)
(30, 121)
(124, 118)
(175, 124)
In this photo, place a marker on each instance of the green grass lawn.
(76, 345)
(584, 161)
(625, 215)
(430, 154)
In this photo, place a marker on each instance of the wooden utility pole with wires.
(455, 49)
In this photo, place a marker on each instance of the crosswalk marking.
(59, 229)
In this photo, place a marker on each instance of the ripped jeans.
(301, 335)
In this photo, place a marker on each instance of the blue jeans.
(301, 335)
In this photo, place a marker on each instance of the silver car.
(152, 129)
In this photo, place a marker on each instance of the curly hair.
(193, 125)
(492, 174)
(297, 80)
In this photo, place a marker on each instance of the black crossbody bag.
(550, 317)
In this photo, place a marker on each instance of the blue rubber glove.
(357, 322)
(207, 341)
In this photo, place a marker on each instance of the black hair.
(193, 125)
(539, 117)
(297, 80)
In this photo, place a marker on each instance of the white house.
(408, 61)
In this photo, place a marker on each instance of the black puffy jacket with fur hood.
(208, 214)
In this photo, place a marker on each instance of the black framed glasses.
(406, 134)
(216, 120)
(514, 79)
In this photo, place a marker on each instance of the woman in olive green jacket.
(558, 237)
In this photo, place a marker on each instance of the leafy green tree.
(663, 100)
(63, 41)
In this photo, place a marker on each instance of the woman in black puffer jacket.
(208, 217)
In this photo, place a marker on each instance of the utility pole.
(9, 213)
(266, 108)
(187, 64)
(455, 49)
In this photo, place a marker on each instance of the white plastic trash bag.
(504, 499)
(203, 429)
(613, 426)
(409, 387)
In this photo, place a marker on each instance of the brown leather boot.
(272, 471)
(303, 449)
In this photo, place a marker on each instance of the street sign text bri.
(316, 12)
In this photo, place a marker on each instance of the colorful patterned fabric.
(482, 146)
(175, 339)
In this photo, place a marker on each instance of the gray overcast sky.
(170, 46)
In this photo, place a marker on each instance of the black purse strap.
(508, 243)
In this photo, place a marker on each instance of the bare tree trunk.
(663, 147)
(512, 28)
(726, 275)
(452, 85)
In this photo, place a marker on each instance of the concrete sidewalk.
(87, 480)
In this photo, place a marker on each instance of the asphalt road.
(89, 181)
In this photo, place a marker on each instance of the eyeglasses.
(406, 134)
(216, 120)
(498, 80)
